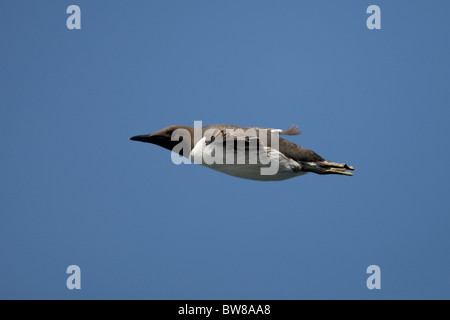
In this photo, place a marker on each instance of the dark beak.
(159, 140)
(142, 138)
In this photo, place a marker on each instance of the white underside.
(241, 168)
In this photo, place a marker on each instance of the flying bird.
(234, 150)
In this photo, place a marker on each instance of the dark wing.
(289, 149)
(286, 147)
(236, 139)
(297, 153)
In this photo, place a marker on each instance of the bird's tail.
(328, 167)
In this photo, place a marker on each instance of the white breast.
(214, 156)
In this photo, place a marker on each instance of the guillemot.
(244, 152)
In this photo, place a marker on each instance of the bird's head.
(168, 137)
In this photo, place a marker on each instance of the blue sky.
(75, 191)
